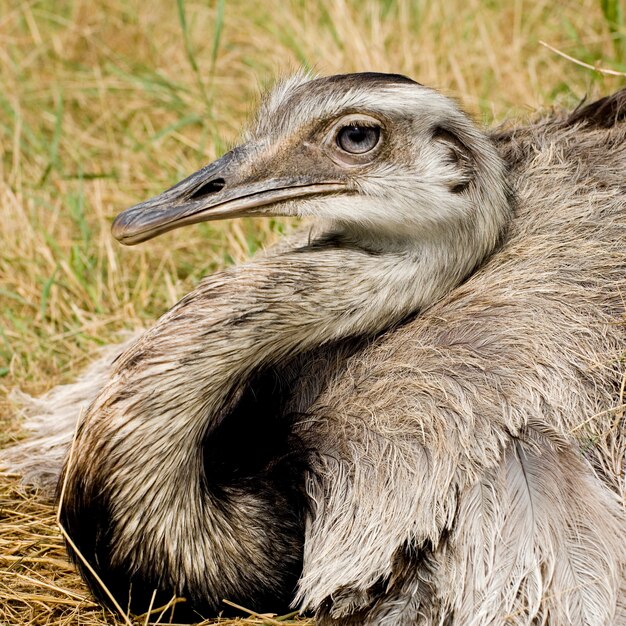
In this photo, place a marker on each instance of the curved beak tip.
(119, 228)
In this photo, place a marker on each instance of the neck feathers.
(139, 457)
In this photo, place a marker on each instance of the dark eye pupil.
(358, 139)
(356, 134)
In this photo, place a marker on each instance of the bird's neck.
(182, 378)
(184, 374)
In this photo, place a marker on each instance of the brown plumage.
(286, 424)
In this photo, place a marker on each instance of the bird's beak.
(229, 187)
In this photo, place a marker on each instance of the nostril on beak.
(208, 188)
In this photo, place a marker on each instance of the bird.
(398, 415)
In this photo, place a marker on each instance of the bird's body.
(292, 430)
(482, 419)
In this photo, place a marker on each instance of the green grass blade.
(217, 33)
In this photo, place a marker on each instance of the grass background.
(104, 103)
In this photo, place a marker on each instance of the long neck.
(257, 314)
(141, 442)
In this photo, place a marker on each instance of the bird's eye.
(357, 139)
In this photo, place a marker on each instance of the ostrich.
(397, 418)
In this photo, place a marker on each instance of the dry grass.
(105, 102)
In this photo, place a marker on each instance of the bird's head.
(375, 154)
